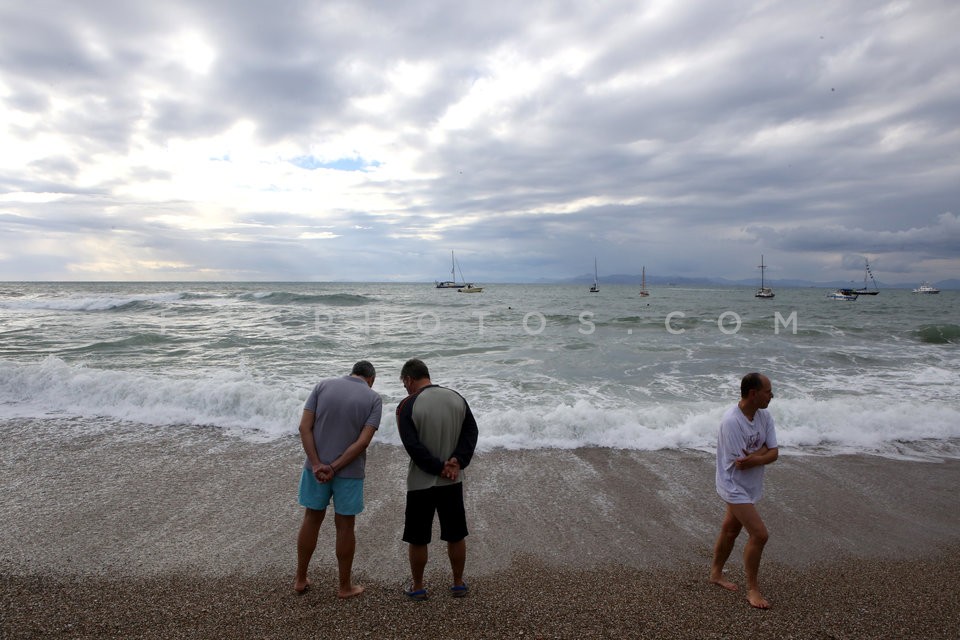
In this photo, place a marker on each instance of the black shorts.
(444, 500)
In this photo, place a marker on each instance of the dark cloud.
(529, 137)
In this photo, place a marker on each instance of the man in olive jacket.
(439, 432)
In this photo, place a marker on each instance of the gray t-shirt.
(343, 406)
(738, 437)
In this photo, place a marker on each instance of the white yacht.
(926, 287)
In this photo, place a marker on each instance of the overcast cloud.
(365, 140)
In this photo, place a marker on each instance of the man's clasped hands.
(451, 471)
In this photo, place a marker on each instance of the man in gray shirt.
(439, 432)
(339, 420)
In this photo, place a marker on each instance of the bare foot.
(352, 592)
(301, 586)
(757, 600)
(726, 584)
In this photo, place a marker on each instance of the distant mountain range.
(725, 282)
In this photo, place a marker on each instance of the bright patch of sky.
(340, 164)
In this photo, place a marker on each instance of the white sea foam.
(85, 302)
(255, 409)
(228, 399)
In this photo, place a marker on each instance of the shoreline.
(140, 532)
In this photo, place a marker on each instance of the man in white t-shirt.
(747, 441)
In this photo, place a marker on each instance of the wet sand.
(134, 532)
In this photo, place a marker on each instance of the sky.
(365, 140)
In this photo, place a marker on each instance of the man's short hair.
(415, 369)
(750, 382)
(364, 369)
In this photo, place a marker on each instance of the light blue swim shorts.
(347, 494)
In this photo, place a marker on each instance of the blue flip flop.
(419, 594)
(459, 590)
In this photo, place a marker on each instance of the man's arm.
(760, 457)
(309, 446)
(359, 446)
(467, 442)
(731, 445)
(417, 451)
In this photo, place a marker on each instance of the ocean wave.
(90, 303)
(451, 352)
(189, 295)
(289, 298)
(139, 340)
(229, 399)
(938, 333)
(534, 418)
(832, 426)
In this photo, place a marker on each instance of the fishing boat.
(452, 282)
(842, 294)
(596, 282)
(865, 290)
(763, 291)
(926, 287)
(470, 288)
(643, 283)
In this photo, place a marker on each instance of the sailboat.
(763, 291)
(865, 291)
(643, 283)
(452, 282)
(596, 282)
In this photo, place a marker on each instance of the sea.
(542, 366)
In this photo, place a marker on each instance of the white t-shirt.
(738, 437)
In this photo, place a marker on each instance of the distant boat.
(763, 291)
(842, 294)
(643, 283)
(865, 291)
(596, 282)
(452, 282)
(468, 287)
(926, 287)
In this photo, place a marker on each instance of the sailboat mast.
(596, 281)
(868, 272)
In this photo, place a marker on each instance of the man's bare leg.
(749, 517)
(727, 537)
(306, 545)
(346, 547)
(418, 554)
(457, 551)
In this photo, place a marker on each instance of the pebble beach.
(190, 534)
